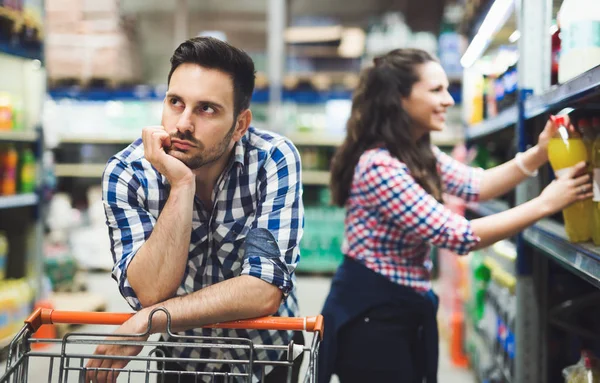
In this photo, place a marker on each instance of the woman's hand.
(574, 185)
(549, 132)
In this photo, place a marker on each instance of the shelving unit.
(545, 242)
(12, 136)
(79, 170)
(21, 214)
(19, 200)
(503, 120)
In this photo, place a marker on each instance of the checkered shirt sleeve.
(390, 187)
(458, 179)
(279, 211)
(129, 224)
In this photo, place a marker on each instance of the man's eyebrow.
(198, 103)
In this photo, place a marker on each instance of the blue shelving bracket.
(524, 260)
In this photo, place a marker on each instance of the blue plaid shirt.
(260, 189)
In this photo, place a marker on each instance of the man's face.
(198, 115)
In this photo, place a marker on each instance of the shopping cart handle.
(43, 316)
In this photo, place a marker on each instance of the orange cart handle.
(43, 316)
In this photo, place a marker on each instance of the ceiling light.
(495, 18)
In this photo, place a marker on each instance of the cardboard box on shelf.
(109, 56)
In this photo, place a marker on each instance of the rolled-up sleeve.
(458, 179)
(129, 224)
(280, 216)
(403, 202)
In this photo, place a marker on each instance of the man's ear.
(243, 123)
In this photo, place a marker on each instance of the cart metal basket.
(67, 360)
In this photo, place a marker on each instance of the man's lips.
(181, 145)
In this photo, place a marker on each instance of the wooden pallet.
(81, 301)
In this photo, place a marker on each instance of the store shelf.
(19, 200)
(585, 85)
(14, 136)
(582, 258)
(502, 121)
(315, 177)
(315, 139)
(149, 93)
(79, 170)
(18, 51)
(486, 208)
(96, 140)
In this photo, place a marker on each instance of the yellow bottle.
(564, 151)
(596, 200)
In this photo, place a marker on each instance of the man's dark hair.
(212, 53)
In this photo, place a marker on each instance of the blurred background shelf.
(16, 136)
(79, 170)
(19, 200)
(315, 177)
(502, 121)
(19, 51)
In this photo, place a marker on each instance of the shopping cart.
(26, 360)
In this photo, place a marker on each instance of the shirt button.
(367, 319)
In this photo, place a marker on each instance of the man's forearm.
(241, 297)
(157, 269)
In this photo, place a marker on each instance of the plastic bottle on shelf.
(565, 150)
(9, 173)
(3, 254)
(27, 179)
(6, 112)
(580, 37)
(555, 56)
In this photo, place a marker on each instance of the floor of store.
(312, 292)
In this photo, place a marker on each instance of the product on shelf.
(580, 37)
(27, 176)
(10, 158)
(3, 254)
(555, 56)
(6, 112)
(565, 150)
(587, 370)
(15, 305)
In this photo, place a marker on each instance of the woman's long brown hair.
(377, 118)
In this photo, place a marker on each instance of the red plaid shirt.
(391, 221)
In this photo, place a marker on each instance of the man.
(181, 201)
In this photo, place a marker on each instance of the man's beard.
(204, 157)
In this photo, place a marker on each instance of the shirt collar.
(239, 151)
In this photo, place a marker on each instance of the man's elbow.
(272, 300)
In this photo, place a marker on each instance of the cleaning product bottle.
(9, 173)
(27, 182)
(565, 150)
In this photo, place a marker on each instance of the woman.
(380, 314)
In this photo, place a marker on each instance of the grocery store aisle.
(312, 293)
